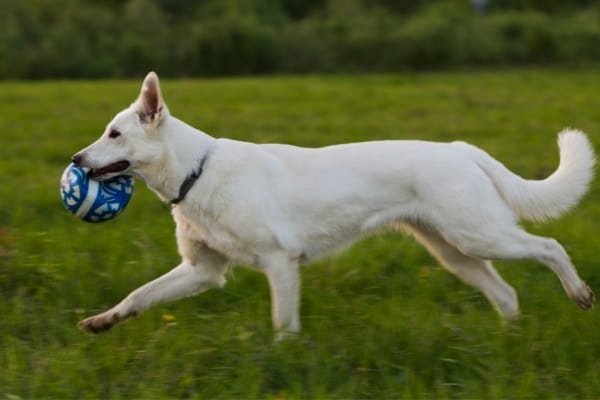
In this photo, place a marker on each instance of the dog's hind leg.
(204, 271)
(512, 243)
(474, 271)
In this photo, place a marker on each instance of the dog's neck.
(186, 148)
(189, 181)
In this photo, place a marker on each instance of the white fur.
(275, 206)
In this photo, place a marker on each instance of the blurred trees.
(114, 38)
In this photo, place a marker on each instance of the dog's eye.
(114, 134)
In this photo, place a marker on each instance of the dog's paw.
(97, 323)
(585, 298)
(286, 336)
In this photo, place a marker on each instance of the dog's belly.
(323, 238)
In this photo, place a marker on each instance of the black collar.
(189, 182)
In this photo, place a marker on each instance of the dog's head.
(131, 139)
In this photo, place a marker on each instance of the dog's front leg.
(182, 281)
(284, 280)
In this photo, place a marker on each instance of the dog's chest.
(203, 228)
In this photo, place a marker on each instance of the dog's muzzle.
(113, 168)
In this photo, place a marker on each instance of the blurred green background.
(114, 38)
(381, 319)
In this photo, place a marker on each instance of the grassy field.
(381, 319)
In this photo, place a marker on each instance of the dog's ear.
(150, 104)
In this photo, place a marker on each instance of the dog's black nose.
(76, 159)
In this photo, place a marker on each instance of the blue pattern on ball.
(91, 200)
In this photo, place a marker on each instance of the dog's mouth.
(113, 168)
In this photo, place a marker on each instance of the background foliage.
(113, 38)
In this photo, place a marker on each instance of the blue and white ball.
(91, 200)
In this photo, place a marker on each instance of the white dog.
(275, 206)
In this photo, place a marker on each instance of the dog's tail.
(540, 200)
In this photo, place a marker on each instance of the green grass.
(381, 319)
